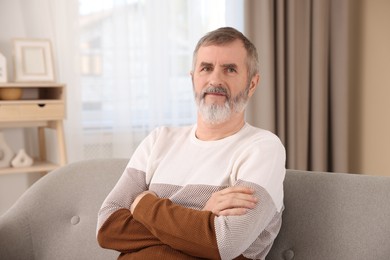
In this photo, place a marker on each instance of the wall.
(370, 140)
(19, 19)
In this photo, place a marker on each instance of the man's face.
(220, 81)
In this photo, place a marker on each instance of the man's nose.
(216, 78)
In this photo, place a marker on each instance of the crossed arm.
(232, 201)
(130, 231)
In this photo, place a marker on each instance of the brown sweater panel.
(187, 230)
(121, 232)
(163, 252)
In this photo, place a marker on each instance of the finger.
(231, 197)
(236, 189)
(233, 212)
(235, 203)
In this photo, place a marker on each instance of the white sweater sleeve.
(261, 167)
(131, 183)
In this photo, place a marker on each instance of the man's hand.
(232, 201)
(138, 198)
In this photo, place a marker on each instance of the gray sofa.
(327, 216)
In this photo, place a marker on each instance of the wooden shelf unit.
(42, 105)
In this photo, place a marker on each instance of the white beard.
(217, 114)
(213, 113)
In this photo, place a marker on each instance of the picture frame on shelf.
(33, 60)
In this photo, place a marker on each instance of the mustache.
(215, 90)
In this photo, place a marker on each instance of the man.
(209, 191)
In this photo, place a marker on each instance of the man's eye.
(205, 69)
(231, 70)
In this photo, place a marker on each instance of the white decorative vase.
(3, 69)
(22, 159)
(6, 153)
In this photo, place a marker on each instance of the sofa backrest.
(326, 216)
(334, 216)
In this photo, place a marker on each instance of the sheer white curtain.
(126, 64)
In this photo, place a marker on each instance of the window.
(135, 60)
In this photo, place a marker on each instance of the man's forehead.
(236, 44)
(233, 53)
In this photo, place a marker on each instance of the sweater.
(184, 172)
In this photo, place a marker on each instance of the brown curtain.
(304, 85)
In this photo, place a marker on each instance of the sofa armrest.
(56, 217)
(15, 236)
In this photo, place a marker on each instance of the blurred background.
(126, 67)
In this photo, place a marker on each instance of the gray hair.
(227, 35)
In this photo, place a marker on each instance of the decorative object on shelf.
(33, 60)
(22, 159)
(3, 68)
(44, 108)
(6, 154)
(10, 93)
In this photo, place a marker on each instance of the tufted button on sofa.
(288, 254)
(327, 216)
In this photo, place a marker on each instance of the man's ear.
(192, 76)
(253, 84)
